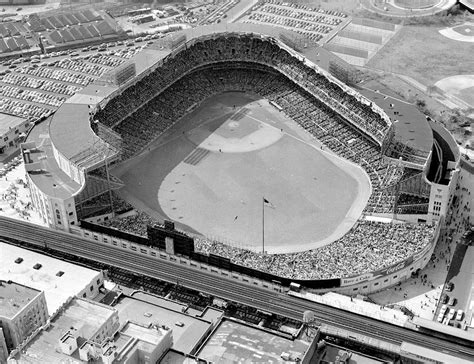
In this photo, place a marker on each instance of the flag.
(268, 203)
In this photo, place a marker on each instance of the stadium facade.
(412, 161)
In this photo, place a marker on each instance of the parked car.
(440, 317)
(452, 301)
(460, 315)
(451, 313)
(443, 309)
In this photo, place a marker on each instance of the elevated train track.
(204, 281)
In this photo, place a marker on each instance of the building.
(58, 279)
(12, 131)
(22, 311)
(136, 343)
(83, 331)
(77, 322)
(190, 327)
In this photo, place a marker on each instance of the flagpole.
(263, 225)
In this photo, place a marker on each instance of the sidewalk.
(421, 294)
(15, 199)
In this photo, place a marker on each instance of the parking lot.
(315, 24)
(454, 306)
(34, 87)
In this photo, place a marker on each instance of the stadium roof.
(50, 178)
(69, 130)
(412, 128)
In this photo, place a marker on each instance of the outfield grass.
(316, 196)
(425, 55)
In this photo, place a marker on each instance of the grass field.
(425, 55)
(212, 169)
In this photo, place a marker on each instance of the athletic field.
(211, 171)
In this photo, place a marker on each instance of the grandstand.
(346, 122)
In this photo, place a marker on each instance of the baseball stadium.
(251, 147)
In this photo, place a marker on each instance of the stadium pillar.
(263, 225)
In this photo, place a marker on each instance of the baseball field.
(211, 171)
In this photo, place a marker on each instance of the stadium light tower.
(96, 122)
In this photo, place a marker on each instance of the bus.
(295, 287)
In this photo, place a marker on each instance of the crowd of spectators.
(248, 48)
(367, 247)
(313, 23)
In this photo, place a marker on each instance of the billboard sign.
(376, 274)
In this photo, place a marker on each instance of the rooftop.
(332, 352)
(146, 340)
(14, 297)
(185, 337)
(232, 341)
(8, 121)
(48, 176)
(412, 127)
(83, 315)
(175, 357)
(57, 289)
